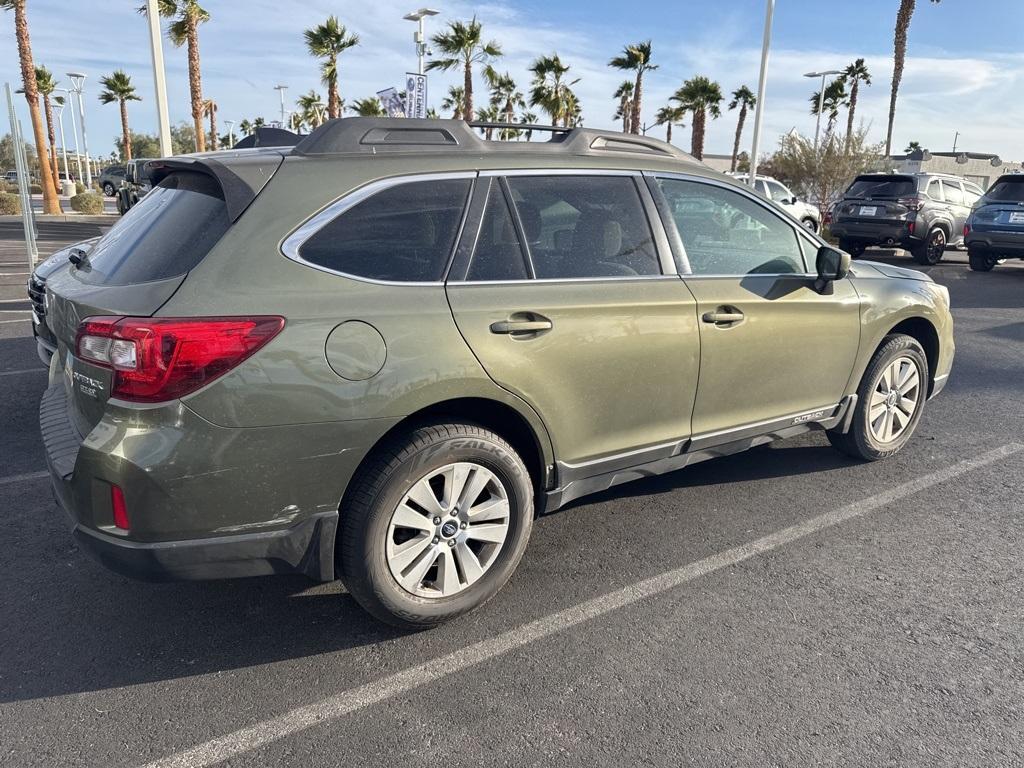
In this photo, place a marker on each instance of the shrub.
(87, 202)
(79, 187)
(35, 189)
(10, 205)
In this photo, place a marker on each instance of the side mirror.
(832, 265)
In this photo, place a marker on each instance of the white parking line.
(16, 311)
(20, 320)
(23, 478)
(40, 369)
(401, 683)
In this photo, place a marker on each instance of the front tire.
(930, 251)
(435, 524)
(890, 401)
(810, 224)
(852, 247)
(108, 189)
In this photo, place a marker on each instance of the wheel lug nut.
(463, 526)
(451, 543)
(436, 539)
(437, 521)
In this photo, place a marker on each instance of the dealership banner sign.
(392, 102)
(416, 95)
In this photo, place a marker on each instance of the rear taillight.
(912, 203)
(164, 358)
(119, 508)
(967, 229)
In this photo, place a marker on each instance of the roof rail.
(373, 135)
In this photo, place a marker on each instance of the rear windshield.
(1006, 191)
(882, 186)
(167, 233)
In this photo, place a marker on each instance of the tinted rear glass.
(403, 234)
(166, 234)
(1007, 191)
(882, 186)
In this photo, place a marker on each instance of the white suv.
(779, 193)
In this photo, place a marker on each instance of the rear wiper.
(77, 256)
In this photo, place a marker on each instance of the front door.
(772, 348)
(567, 304)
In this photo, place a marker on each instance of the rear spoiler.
(240, 180)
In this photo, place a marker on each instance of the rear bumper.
(1009, 244)
(874, 233)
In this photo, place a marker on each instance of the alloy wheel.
(936, 245)
(448, 530)
(894, 400)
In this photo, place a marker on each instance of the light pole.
(74, 132)
(63, 145)
(762, 84)
(231, 135)
(320, 108)
(77, 84)
(281, 89)
(821, 99)
(420, 36)
(159, 80)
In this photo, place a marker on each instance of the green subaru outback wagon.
(378, 355)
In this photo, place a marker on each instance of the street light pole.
(761, 87)
(281, 89)
(159, 80)
(420, 36)
(63, 144)
(77, 84)
(231, 136)
(821, 99)
(74, 131)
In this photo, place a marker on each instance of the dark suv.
(922, 212)
(378, 354)
(995, 230)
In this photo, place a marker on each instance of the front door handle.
(723, 316)
(536, 325)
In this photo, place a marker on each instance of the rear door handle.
(522, 326)
(723, 316)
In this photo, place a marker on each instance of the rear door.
(959, 210)
(565, 290)
(772, 348)
(132, 270)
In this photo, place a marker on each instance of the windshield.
(164, 235)
(882, 186)
(1006, 191)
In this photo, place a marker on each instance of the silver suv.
(779, 193)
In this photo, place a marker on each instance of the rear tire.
(878, 408)
(108, 189)
(412, 559)
(930, 251)
(852, 247)
(981, 261)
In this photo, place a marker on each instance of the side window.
(779, 192)
(498, 254)
(584, 226)
(935, 190)
(405, 233)
(726, 233)
(954, 195)
(972, 193)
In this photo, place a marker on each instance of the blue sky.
(965, 69)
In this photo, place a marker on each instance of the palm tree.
(669, 116)
(506, 96)
(527, 118)
(368, 107)
(635, 58)
(855, 74)
(328, 41)
(455, 101)
(47, 85)
(551, 93)
(702, 97)
(184, 30)
(259, 122)
(912, 147)
(51, 204)
(489, 114)
(835, 99)
(245, 126)
(624, 112)
(745, 99)
(310, 105)
(899, 56)
(210, 110)
(117, 87)
(462, 46)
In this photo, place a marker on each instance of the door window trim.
(466, 247)
(670, 225)
(291, 245)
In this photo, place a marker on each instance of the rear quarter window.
(166, 234)
(405, 233)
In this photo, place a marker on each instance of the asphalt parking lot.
(783, 607)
